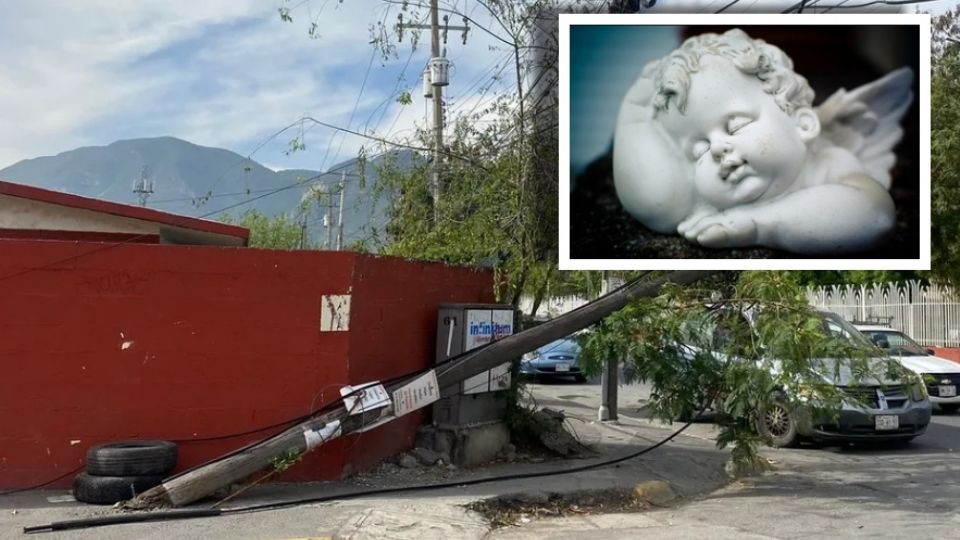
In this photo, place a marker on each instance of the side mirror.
(930, 351)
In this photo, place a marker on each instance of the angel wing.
(866, 121)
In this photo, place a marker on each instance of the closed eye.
(735, 123)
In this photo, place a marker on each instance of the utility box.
(479, 399)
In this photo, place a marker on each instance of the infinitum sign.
(484, 326)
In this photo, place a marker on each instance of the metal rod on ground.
(313, 433)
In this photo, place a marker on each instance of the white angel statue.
(719, 142)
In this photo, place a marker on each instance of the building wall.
(950, 353)
(23, 213)
(104, 342)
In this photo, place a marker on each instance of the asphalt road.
(869, 491)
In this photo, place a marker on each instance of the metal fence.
(929, 314)
(552, 307)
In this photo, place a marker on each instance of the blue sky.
(227, 73)
(224, 73)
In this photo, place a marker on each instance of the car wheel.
(949, 407)
(778, 424)
(580, 378)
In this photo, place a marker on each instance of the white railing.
(552, 307)
(929, 314)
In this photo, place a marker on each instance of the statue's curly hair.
(772, 67)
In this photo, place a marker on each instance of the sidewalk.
(681, 470)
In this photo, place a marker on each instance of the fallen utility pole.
(309, 435)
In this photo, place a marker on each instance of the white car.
(941, 376)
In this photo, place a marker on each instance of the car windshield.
(560, 346)
(841, 329)
(895, 343)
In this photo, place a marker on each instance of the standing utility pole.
(324, 195)
(343, 187)
(438, 72)
(609, 377)
(143, 187)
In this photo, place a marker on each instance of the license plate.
(887, 422)
(563, 367)
(948, 391)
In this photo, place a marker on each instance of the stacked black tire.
(119, 471)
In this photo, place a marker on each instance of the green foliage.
(295, 144)
(503, 214)
(695, 347)
(279, 232)
(945, 149)
(286, 460)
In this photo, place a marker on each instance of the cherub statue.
(719, 142)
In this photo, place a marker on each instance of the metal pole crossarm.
(428, 27)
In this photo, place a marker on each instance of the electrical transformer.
(478, 399)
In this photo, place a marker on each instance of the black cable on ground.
(123, 518)
(143, 517)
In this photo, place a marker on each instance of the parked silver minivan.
(887, 405)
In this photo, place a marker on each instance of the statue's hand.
(731, 228)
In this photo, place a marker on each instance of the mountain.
(184, 174)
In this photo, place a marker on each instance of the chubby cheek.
(709, 185)
(775, 153)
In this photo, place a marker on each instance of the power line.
(356, 103)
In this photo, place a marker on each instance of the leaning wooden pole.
(313, 433)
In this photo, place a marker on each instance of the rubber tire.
(132, 458)
(580, 378)
(949, 408)
(790, 437)
(111, 489)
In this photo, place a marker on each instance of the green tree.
(695, 347)
(278, 232)
(945, 148)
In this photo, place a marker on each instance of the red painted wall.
(948, 353)
(103, 342)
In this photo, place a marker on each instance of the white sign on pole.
(417, 394)
(373, 396)
(500, 377)
(316, 437)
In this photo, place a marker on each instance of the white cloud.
(224, 73)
